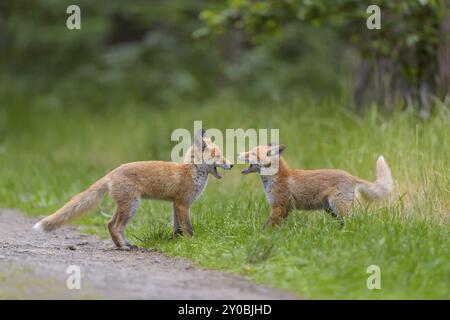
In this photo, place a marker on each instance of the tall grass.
(49, 153)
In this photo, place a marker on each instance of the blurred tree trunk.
(233, 45)
(382, 80)
(444, 59)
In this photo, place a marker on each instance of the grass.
(49, 153)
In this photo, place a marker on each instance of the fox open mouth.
(251, 168)
(216, 173)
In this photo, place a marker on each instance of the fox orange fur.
(180, 183)
(328, 189)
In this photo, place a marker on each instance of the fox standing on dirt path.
(180, 183)
(328, 189)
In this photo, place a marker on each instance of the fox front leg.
(176, 224)
(275, 216)
(182, 212)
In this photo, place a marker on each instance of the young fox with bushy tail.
(180, 183)
(328, 189)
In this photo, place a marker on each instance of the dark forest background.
(165, 52)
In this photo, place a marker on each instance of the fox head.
(207, 154)
(261, 157)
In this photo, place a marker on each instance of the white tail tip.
(38, 227)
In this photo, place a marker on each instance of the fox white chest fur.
(199, 181)
(268, 184)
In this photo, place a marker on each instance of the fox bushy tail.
(382, 186)
(78, 205)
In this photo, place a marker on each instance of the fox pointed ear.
(198, 139)
(276, 150)
(201, 132)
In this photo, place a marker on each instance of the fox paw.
(128, 247)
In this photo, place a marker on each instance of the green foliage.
(153, 53)
(409, 36)
(137, 47)
(404, 23)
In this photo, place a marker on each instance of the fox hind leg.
(134, 206)
(116, 226)
(332, 209)
(339, 207)
(114, 238)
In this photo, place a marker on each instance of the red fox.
(328, 189)
(180, 183)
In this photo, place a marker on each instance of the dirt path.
(33, 266)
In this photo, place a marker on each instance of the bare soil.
(33, 265)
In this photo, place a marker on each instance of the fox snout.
(243, 156)
(227, 166)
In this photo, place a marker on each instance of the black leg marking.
(331, 209)
(176, 224)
